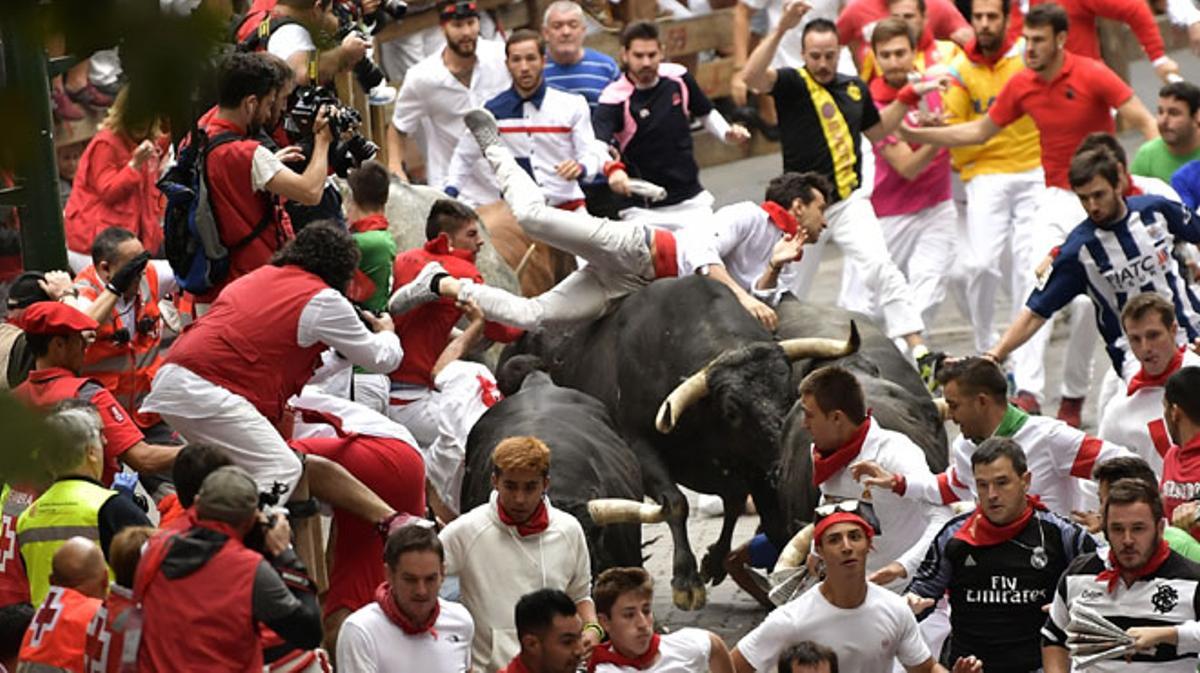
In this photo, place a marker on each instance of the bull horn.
(824, 349)
(943, 408)
(685, 394)
(605, 511)
(796, 551)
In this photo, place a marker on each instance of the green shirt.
(1182, 543)
(378, 250)
(1154, 160)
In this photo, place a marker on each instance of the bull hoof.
(692, 598)
(712, 568)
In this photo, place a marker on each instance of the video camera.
(351, 20)
(268, 504)
(344, 154)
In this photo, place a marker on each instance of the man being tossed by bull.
(624, 257)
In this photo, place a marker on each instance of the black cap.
(26, 291)
(448, 10)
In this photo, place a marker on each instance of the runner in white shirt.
(549, 131)
(843, 433)
(1134, 416)
(869, 627)
(408, 628)
(623, 597)
(439, 90)
(1060, 457)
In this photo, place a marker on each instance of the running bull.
(699, 389)
(589, 461)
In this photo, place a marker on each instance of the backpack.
(191, 235)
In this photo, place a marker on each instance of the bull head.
(695, 387)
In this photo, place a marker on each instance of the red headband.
(821, 526)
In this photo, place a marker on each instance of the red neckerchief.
(515, 666)
(882, 92)
(376, 222)
(387, 603)
(976, 56)
(825, 465)
(1133, 190)
(606, 653)
(50, 373)
(781, 218)
(980, 532)
(1143, 380)
(538, 522)
(441, 246)
(1112, 574)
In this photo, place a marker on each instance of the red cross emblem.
(47, 616)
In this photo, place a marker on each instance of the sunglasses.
(460, 10)
(864, 510)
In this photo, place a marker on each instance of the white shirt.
(907, 526)
(745, 238)
(544, 135)
(370, 643)
(1060, 459)
(496, 566)
(327, 318)
(790, 51)
(341, 414)
(1136, 421)
(867, 639)
(434, 100)
(684, 651)
(289, 39)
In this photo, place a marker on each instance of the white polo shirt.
(370, 643)
(683, 651)
(434, 101)
(867, 639)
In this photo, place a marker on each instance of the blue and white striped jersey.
(1115, 262)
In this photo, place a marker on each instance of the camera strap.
(268, 217)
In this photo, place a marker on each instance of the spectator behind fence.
(115, 182)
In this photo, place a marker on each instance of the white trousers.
(694, 211)
(1058, 212)
(853, 227)
(372, 391)
(618, 256)
(922, 245)
(1002, 216)
(441, 418)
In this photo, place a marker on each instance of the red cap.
(821, 526)
(55, 319)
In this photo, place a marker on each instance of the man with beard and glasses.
(647, 114)
(999, 564)
(823, 115)
(1003, 181)
(1068, 97)
(548, 131)
(868, 627)
(439, 90)
(1142, 586)
(1124, 247)
(245, 176)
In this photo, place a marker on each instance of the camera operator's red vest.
(203, 621)
(246, 343)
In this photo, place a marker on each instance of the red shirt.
(425, 330)
(1181, 475)
(1078, 101)
(860, 16)
(238, 208)
(108, 192)
(1081, 19)
(44, 387)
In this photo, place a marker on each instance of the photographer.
(179, 571)
(245, 176)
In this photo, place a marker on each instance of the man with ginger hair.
(519, 536)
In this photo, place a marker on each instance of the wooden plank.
(714, 77)
(679, 36)
(712, 152)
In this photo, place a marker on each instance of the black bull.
(589, 460)
(727, 439)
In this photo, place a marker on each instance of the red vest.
(46, 387)
(116, 625)
(246, 343)
(126, 367)
(59, 629)
(14, 585)
(204, 621)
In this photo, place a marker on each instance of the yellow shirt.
(974, 87)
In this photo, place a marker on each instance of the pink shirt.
(893, 194)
